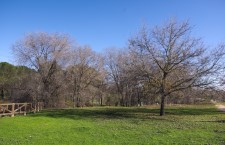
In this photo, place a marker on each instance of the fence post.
(13, 109)
(25, 109)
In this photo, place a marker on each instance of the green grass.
(201, 124)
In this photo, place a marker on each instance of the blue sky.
(105, 23)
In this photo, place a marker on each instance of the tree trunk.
(162, 105)
(101, 101)
(139, 99)
(163, 95)
(2, 94)
(74, 97)
(78, 100)
(74, 102)
(122, 102)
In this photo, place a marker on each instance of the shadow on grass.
(123, 113)
(217, 121)
(194, 111)
(104, 113)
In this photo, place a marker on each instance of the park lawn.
(201, 124)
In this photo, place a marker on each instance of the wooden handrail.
(15, 103)
(19, 108)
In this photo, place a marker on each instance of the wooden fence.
(11, 109)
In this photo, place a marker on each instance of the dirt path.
(221, 107)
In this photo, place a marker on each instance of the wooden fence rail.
(11, 109)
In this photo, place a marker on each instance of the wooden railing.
(11, 109)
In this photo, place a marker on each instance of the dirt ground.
(221, 107)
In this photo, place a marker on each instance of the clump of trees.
(163, 65)
(15, 83)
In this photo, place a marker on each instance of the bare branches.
(181, 60)
(159, 62)
(84, 70)
(46, 54)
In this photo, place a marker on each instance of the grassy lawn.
(201, 124)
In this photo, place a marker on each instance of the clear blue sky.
(105, 23)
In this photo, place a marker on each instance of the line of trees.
(162, 65)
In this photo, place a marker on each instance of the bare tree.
(46, 54)
(86, 68)
(172, 60)
(122, 77)
(115, 61)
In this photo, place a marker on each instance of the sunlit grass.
(202, 124)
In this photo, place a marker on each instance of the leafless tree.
(114, 61)
(172, 60)
(84, 71)
(46, 54)
(122, 77)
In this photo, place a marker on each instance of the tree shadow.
(216, 121)
(104, 113)
(123, 113)
(194, 111)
